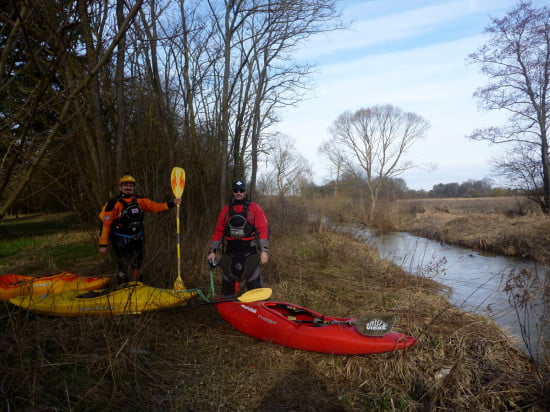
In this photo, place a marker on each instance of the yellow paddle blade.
(255, 295)
(178, 284)
(177, 179)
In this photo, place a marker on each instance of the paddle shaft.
(198, 304)
(382, 326)
(250, 296)
(326, 322)
(212, 303)
(177, 180)
(178, 239)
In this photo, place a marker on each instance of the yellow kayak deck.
(131, 298)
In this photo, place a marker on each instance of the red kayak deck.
(296, 327)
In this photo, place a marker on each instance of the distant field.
(507, 205)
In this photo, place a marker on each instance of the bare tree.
(255, 39)
(336, 158)
(374, 142)
(42, 52)
(521, 168)
(516, 58)
(120, 125)
(281, 26)
(286, 168)
(89, 118)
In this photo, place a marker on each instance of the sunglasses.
(238, 191)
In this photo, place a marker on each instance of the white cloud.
(429, 77)
(381, 22)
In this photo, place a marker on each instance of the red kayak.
(294, 326)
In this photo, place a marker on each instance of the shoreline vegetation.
(506, 226)
(510, 226)
(189, 360)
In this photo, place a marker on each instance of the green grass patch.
(43, 238)
(40, 249)
(13, 247)
(63, 254)
(35, 225)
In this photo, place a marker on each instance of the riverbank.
(517, 230)
(511, 226)
(189, 360)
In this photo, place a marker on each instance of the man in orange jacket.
(122, 224)
(244, 226)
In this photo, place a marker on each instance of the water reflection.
(509, 290)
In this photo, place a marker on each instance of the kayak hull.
(131, 298)
(291, 325)
(12, 285)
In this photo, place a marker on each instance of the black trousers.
(129, 254)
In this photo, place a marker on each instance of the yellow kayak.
(131, 298)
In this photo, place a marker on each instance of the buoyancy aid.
(238, 225)
(130, 221)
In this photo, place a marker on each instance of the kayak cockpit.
(303, 316)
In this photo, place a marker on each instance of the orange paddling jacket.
(126, 215)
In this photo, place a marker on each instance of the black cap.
(239, 184)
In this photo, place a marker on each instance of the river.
(509, 290)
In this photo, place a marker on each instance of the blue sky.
(410, 54)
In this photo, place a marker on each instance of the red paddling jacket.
(242, 220)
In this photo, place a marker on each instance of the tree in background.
(286, 170)
(471, 188)
(374, 142)
(516, 58)
(337, 162)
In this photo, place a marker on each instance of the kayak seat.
(292, 313)
(291, 310)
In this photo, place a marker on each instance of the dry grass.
(188, 360)
(511, 206)
(511, 226)
(507, 226)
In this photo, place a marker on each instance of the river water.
(507, 289)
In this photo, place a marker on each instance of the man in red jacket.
(122, 224)
(244, 226)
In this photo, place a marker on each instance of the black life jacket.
(130, 221)
(237, 225)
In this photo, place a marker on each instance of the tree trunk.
(224, 126)
(119, 90)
